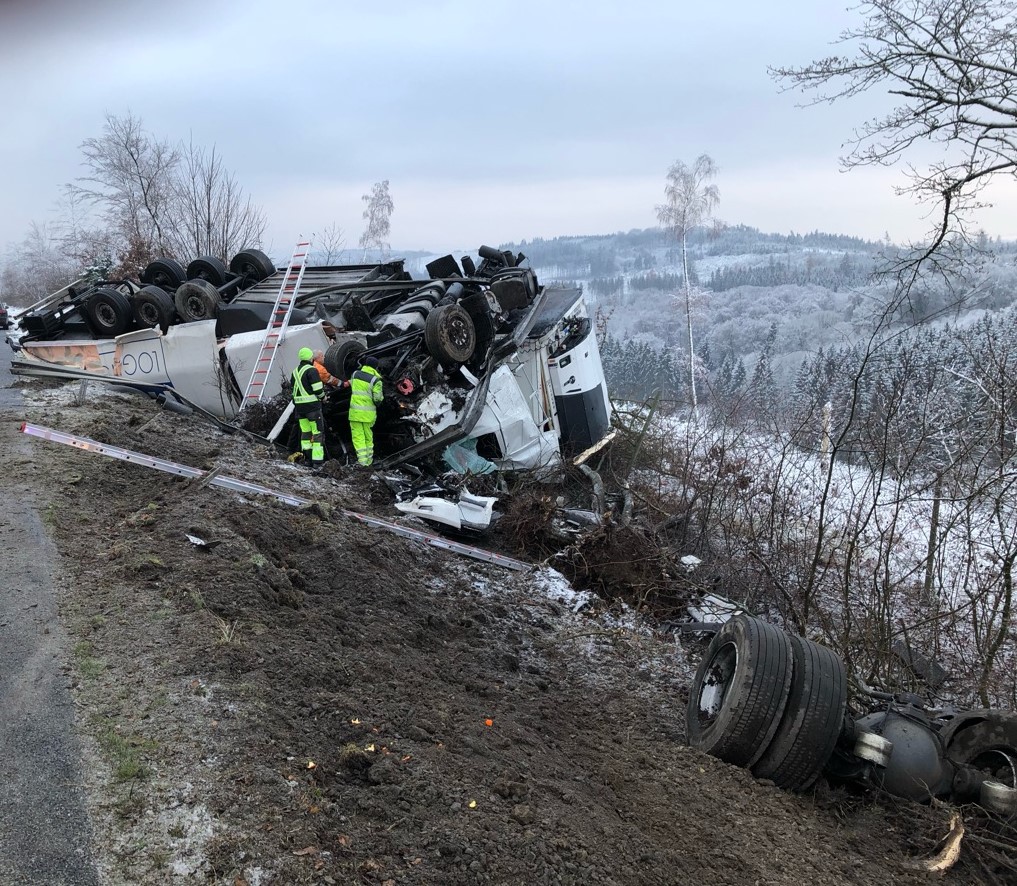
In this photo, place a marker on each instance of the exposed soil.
(307, 700)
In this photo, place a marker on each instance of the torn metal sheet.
(186, 358)
(508, 418)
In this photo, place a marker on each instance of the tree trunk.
(688, 319)
(930, 559)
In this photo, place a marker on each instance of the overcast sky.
(492, 122)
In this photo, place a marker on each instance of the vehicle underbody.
(779, 705)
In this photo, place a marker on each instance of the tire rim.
(716, 683)
(148, 314)
(196, 308)
(997, 761)
(459, 333)
(105, 315)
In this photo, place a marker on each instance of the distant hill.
(764, 302)
(776, 297)
(647, 249)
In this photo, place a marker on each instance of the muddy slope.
(305, 700)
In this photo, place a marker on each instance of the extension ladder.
(277, 323)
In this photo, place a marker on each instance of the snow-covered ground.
(848, 551)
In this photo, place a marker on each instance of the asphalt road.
(44, 829)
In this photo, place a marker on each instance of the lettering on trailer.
(146, 363)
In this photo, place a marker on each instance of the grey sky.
(492, 122)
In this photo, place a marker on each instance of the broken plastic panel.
(470, 512)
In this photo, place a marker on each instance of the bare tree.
(951, 66)
(38, 265)
(210, 213)
(690, 203)
(130, 178)
(331, 245)
(378, 215)
(158, 199)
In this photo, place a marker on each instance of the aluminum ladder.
(277, 323)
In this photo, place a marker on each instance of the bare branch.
(952, 66)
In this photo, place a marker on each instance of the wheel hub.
(718, 680)
(458, 333)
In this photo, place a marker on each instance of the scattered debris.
(236, 485)
(201, 543)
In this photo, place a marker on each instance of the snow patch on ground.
(188, 830)
(553, 585)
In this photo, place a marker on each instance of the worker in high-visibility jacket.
(308, 392)
(365, 393)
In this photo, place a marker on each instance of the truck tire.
(740, 691)
(253, 265)
(164, 273)
(480, 313)
(109, 312)
(153, 308)
(197, 300)
(984, 739)
(341, 358)
(208, 267)
(449, 334)
(812, 719)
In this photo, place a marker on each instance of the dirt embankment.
(306, 700)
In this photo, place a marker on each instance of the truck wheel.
(197, 300)
(480, 313)
(449, 334)
(812, 719)
(253, 265)
(985, 739)
(165, 273)
(207, 267)
(153, 308)
(109, 311)
(740, 691)
(341, 357)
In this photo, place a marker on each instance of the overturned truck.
(477, 354)
(778, 704)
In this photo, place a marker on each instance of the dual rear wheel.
(192, 293)
(768, 701)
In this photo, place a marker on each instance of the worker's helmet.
(305, 355)
(370, 361)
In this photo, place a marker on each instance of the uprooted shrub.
(626, 563)
(618, 563)
(260, 416)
